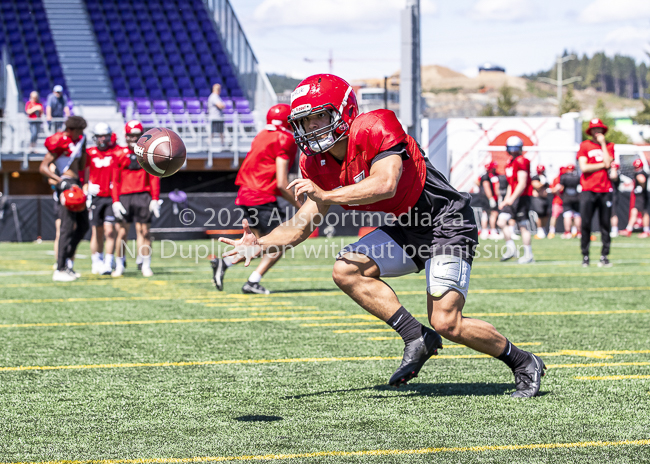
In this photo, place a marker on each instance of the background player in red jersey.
(615, 177)
(367, 162)
(489, 186)
(135, 198)
(67, 150)
(516, 204)
(102, 220)
(641, 201)
(570, 192)
(540, 202)
(595, 157)
(263, 176)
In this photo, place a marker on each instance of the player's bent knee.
(345, 272)
(447, 328)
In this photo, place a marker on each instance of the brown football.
(160, 152)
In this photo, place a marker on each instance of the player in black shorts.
(570, 188)
(615, 177)
(641, 201)
(540, 202)
(489, 188)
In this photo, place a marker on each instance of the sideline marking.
(375, 452)
(613, 377)
(314, 360)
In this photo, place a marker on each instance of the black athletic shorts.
(101, 211)
(641, 202)
(573, 205)
(520, 209)
(217, 127)
(541, 205)
(264, 217)
(137, 207)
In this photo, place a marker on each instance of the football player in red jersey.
(556, 206)
(102, 220)
(641, 201)
(516, 204)
(263, 176)
(135, 198)
(540, 202)
(615, 177)
(595, 157)
(67, 150)
(367, 162)
(489, 185)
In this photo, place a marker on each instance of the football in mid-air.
(160, 152)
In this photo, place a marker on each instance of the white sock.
(528, 250)
(574, 230)
(96, 258)
(109, 260)
(255, 277)
(511, 244)
(614, 229)
(69, 263)
(139, 259)
(119, 265)
(146, 262)
(646, 229)
(629, 228)
(227, 261)
(493, 231)
(551, 230)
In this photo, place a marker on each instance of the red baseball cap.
(594, 123)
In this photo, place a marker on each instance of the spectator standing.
(57, 107)
(34, 110)
(215, 112)
(595, 157)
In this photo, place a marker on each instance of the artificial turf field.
(170, 370)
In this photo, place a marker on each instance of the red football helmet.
(322, 93)
(638, 165)
(491, 166)
(570, 168)
(134, 127)
(74, 199)
(278, 115)
(541, 169)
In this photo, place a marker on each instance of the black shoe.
(528, 378)
(604, 262)
(416, 354)
(254, 287)
(218, 271)
(585, 261)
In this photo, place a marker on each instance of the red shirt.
(36, 114)
(101, 168)
(257, 176)
(134, 180)
(520, 163)
(370, 134)
(557, 199)
(64, 150)
(595, 181)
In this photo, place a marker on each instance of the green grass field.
(170, 370)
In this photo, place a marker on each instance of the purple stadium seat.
(160, 107)
(156, 93)
(177, 106)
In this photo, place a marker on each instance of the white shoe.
(64, 276)
(516, 237)
(105, 269)
(613, 234)
(147, 272)
(526, 259)
(484, 234)
(97, 268)
(118, 272)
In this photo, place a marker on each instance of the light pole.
(410, 80)
(559, 82)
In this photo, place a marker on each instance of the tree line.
(620, 75)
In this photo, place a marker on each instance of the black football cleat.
(218, 271)
(416, 353)
(528, 378)
(255, 288)
(585, 261)
(604, 262)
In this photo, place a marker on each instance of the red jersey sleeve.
(378, 131)
(155, 187)
(288, 149)
(52, 144)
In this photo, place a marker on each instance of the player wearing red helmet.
(263, 176)
(595, 157)
(99, 186)
(367, 162)
(136, 195)
(489, 187)
(641, 201)
(67, 150)
(540, 201)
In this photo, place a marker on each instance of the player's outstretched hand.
(307, 186)
(246, 247)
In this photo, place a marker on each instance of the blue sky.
(364, 36)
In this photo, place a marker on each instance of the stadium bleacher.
(163, 60)
(25, 30)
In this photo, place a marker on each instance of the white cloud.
(628, 35)
(337, 14)
(606, 11)
(503, 10)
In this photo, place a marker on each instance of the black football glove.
(64, 185)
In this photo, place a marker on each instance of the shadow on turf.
(258, 418)
(303, 290)
(427, 389)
